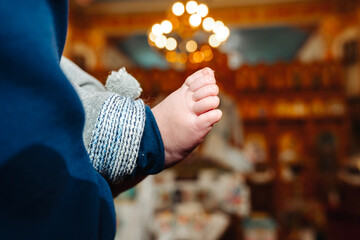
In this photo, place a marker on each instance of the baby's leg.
(186, 116)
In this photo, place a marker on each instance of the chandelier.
(188, 35)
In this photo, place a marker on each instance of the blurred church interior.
(284, 162)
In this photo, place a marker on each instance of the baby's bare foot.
(186, 116)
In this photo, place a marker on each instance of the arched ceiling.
(141, 6)
(261, 30)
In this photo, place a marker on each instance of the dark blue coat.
(48, 188)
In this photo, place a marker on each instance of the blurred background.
(284, 162)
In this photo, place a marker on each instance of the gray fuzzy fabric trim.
(79, 77)
(91, 92)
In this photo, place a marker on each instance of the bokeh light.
(166, 26)
(171, 57)
(203, 10)
(222, 33)
(208, 24)
(191, 46)
(171, 44)
(156, 30)
(161, 41)
(213, 41)
(191, 7)
(178, 9)
(195, 20)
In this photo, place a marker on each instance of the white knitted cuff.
(115, 142)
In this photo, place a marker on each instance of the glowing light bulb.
(191, 7)
(208, 55)
(195, 20)
(178, 9)
(198, 57)
(222, 34)
(191, 58)
(161, 41)
(191, 46)
(171, 44)
(156, 30)
(206, 50)
(208, 24)
(203, 10)
(227, 32)
(213, 41)
(166, 26)
(217, 26)
(152, 37)
(171, 56)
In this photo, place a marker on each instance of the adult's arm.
(48, 187)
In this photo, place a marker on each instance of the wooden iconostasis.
(296, 112)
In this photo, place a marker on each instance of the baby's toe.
(199, 74)
(202, 82)
(206, 91)
(206, 120)
(206, 104)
